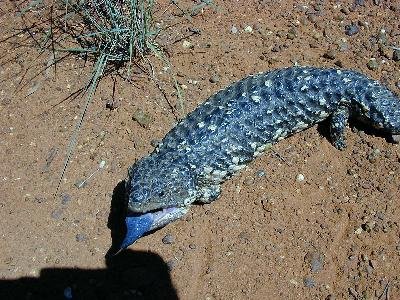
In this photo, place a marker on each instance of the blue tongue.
(136, 227)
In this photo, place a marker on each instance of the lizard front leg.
(338, 123)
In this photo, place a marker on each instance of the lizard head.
(381, 108)
(160, 190)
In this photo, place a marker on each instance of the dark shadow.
(370, 130)
(129, 275)
(116, 218)
(323, 129)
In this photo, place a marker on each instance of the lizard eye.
(161, 194)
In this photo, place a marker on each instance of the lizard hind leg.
(338, 123)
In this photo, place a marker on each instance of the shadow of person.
(129, 275)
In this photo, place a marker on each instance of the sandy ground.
(333, 235)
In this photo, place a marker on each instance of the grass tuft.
(112, 33)
(118, 29)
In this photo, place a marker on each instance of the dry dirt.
(334, 235)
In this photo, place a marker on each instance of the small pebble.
(248, 29)
(155, 142)
(315, 261)
(248, 181)
(244, 236)
(276, 48)
(39, 199)
(171, 264)
(343, 46)
(374, 155)
(112, 104)
(330, 297)
(309, 282)
(369, 269)
(330, 54)
(396, 138)
(186, 44)
(345, 10)
(367, 227)
(291, 35)
(68, 293)
(372, 64)
(57, 213)
(363, 23)
(339, 63)
(65, 199)
(396, 55)
(353, 292)
(260, 173)
(373, 263)
(5, 101)
(382, 37)
(143, 118)
(385, 51)
(168, 239)
(81, 237)
(380, 215)
(234, 30)
(214, 79)
(351, 29)
(300, 177)
(359, 230)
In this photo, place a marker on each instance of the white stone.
(300, 177)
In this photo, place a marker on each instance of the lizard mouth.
(139, 224)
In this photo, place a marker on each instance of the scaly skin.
(237, 124)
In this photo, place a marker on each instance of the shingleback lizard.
(236, 125)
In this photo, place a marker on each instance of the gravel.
(168, 239)
(330, 54)
(144, 119)
(374, 155)
(248, 29)
(81, 237)
(353, 292)
(65, 199)
(300, 177)
(351, 29)
(234, 30)
(396, 55)
(260, 173)
(309, 282)
(214, 79)
(57, 213)
(372, 64)
(315, 260)
(171, 264)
